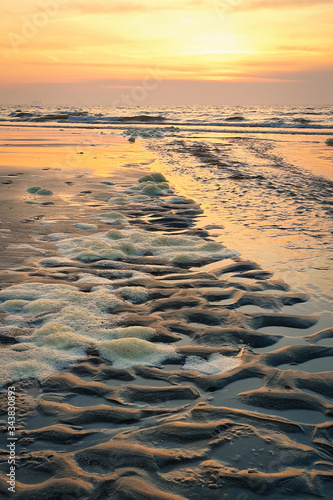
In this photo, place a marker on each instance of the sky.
(135, 52)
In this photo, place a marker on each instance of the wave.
(302, 121)
(81, 117)
(141, 119)
(235, 119)
(218, 118)
(39, 117)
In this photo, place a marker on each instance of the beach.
(152, 353)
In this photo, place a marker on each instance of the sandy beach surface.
(148, 360)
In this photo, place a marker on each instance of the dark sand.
(102, 432)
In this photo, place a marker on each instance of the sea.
(262, 174)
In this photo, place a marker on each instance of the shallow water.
(273, 210)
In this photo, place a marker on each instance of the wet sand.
(173, 375)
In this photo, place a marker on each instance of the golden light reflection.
(62, 41)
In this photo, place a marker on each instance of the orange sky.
(176, 50)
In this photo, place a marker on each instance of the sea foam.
(216, 363)
(125, 353)
(64, 322)
(39, 190)
(24, 361)
(86, 227)
(117, 244)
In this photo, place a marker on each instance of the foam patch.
(117, 244)
(154, 177)
(125, 353)
(134, 294)
(59, 337)
(47, 222)
(86, 227)
(137, 332)
(84, 313)
(64, 322)
(39, 190)
(178, 200)
(113, 218)
(24, 361)
(114, 234)
(150, 133)
(92, 279)
(151, 188)
(13, 306)
(216, 363)
(90, 249)
(183, 258)
(126, 200)
(42, 306)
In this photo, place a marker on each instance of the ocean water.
(283, 119)
(264, 173)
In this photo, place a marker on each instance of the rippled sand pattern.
(227, 415)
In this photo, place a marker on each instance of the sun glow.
(76, 42)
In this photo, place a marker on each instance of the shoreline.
(214, 129)
(162, 303)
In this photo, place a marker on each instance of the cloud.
(306, 87)
(125, 7)
(250, 5)
(97, 7)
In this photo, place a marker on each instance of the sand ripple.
(175, 391)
